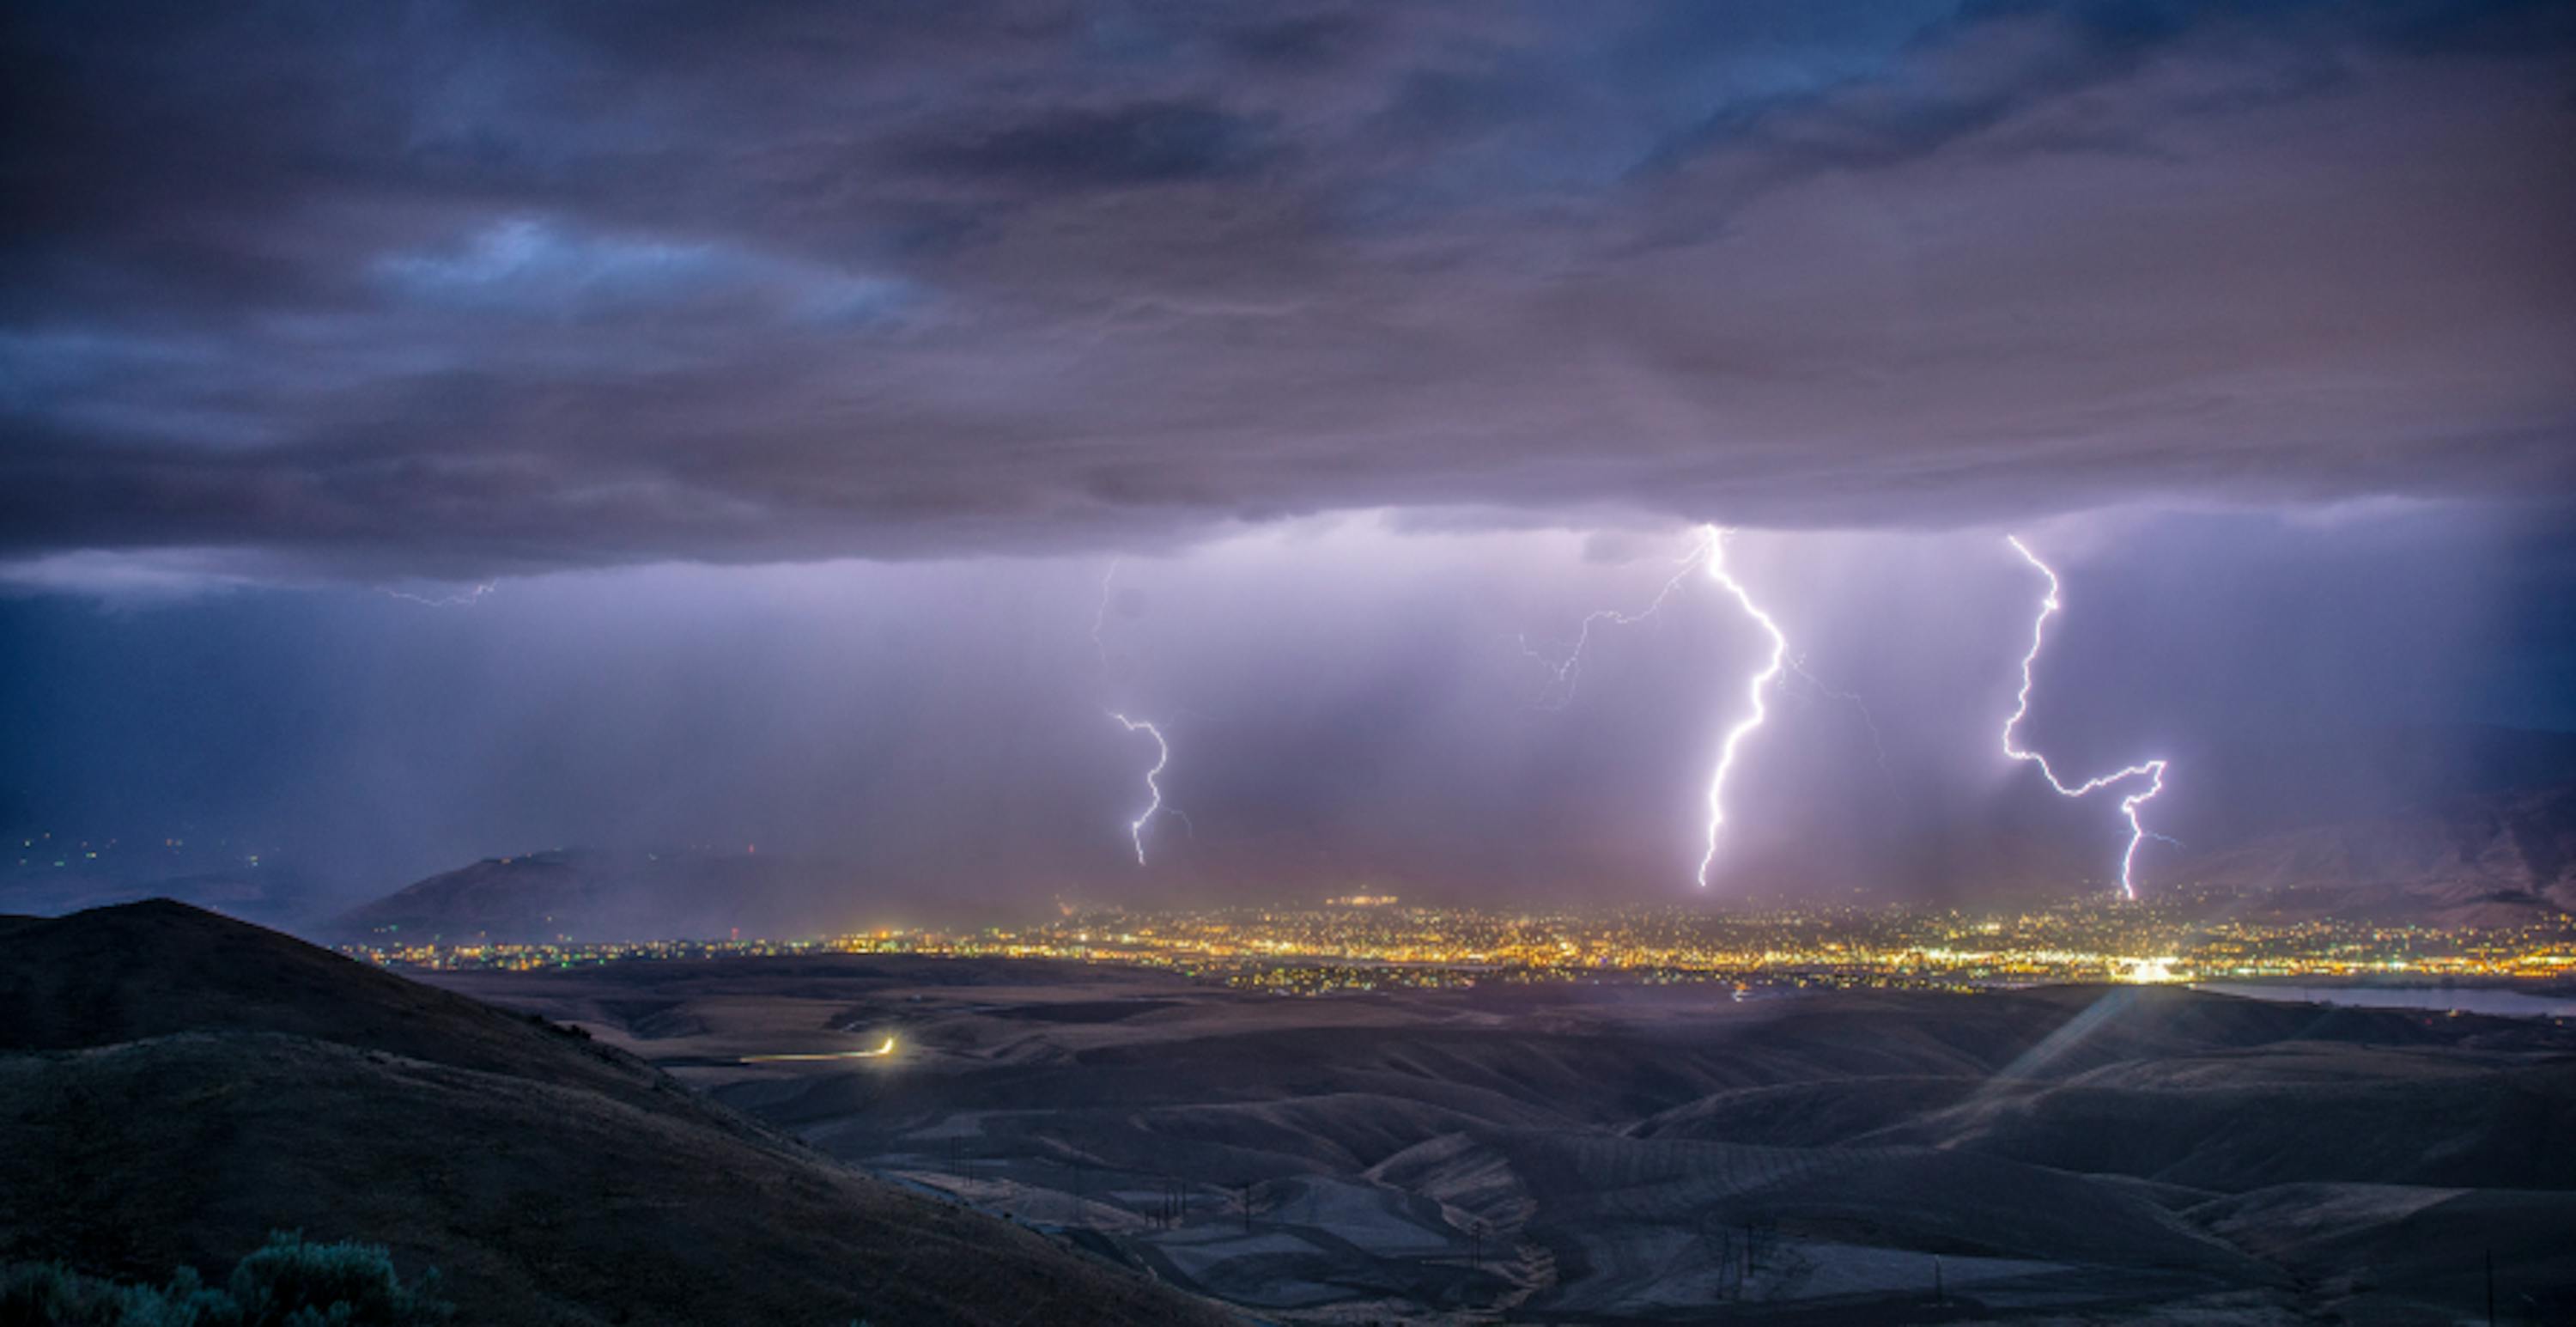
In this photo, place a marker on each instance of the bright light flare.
(2154, 770)
(876, 1054)
(1761, 682)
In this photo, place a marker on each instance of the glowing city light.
(1761, 682)
(2154, 770)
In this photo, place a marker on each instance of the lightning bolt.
(1564, 672)
(1100, 615)
(2154, 770)
(1153, 788)
(1868, 723)
(466, 600)
(1715, 542)
(1162, 748)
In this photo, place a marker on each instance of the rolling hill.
(173, 1085)
(1588, 1154)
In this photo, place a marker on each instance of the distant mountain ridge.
(600, 894)
(2456, 826)
(2261, 783)
(2487, 860)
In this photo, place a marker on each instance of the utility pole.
(2490, 1288)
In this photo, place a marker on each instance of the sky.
(794, 376)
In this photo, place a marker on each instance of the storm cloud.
(458, 290)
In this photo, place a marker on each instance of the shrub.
(291, 1283)
(43, 1292)
(52, 1295)
(285, 1283)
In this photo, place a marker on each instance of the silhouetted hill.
(158, 968)
(176, 1084)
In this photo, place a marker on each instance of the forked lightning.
(2154, 770)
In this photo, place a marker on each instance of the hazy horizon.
(1350, 701)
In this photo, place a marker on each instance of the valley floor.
(1613, 1153)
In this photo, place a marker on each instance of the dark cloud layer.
(453, 290)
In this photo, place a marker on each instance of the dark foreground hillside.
(1629, 1154)
(174, 1085)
